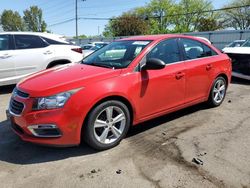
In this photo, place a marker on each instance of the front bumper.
(65, 124)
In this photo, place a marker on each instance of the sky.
(56, 11)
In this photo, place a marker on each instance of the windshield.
(247, 43)
(117, 54)
(236, 44)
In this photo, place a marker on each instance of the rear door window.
(4, 42)
(29, 42)
(194, 49)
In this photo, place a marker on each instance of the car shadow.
(165, 119)
(6, 89)
(13, 150)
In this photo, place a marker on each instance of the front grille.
(47, 132)
(22, 94)
(16, 107)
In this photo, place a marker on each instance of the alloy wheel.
(219, 91)
(109, 124)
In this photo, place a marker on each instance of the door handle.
(179, 75)
(5, 56)
(48, 52)
(208, 67)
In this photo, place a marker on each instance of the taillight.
(79, 50)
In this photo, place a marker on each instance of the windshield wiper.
(102, 65)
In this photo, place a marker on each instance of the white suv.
(23, 53)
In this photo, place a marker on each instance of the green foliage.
(11, 21)
(208, 24)
(81, 37)
(33, 19)
(237, 18)
(156, 15)
(125, 25)
(168, 16)
(188, 14)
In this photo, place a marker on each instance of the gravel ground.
(157, 153)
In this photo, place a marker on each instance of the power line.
(172, 15)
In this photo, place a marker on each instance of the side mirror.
(153, 64)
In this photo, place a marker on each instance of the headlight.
(54, 101)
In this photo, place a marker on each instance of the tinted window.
(166, 51)
(4, 42)
(195, 49)
(29, 41)
(246, 43)
(50, 41)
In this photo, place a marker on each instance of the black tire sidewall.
(89, 136)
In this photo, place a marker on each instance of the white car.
(236, 43)
(240, 60)
(24, 53)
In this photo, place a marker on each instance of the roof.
(57, 37)
(151, 37)
(164, 36)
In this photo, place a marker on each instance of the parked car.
(93, 49)
(125, 83)
(87, 46)
(23, 53)
(93, 44)
(240, 59)
(236, 43)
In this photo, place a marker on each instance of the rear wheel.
(218, 92)
(107, 125)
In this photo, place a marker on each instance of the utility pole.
(76, 20)
(76, 4)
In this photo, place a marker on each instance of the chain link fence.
(218, 38)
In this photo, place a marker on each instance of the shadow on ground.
(13, 150)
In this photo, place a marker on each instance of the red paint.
(151, 93)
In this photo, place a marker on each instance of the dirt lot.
(157, 153)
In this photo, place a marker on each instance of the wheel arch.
(58, 62)
(108, 98)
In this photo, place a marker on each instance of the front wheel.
(107, 124)
(218, 92)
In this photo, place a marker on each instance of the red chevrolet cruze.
(127, 82)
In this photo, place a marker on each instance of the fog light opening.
(45, 130)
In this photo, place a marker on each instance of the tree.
(238, 18)
(208, 24)
(188, 13)
(156, 13)
(126, 25)
(33, 18)
(11, 21)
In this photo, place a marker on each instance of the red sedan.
(124, 83)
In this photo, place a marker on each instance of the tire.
(217, 92)
(106, 125)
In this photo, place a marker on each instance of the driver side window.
(167, 51)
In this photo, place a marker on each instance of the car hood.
(64, 78)
(237, 50)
